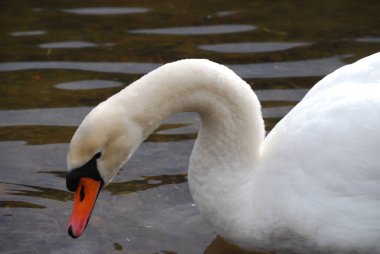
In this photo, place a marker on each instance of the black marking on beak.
(70, 231)
(89, 170)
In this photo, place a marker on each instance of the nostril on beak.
(82, 194)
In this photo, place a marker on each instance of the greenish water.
(58, 59)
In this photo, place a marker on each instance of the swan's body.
(311, 186)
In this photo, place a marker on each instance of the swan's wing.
(364, 71)
(337, 124)
(321, 163)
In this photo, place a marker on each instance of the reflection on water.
(18, 204)
(28, 33)
(106, 10)
(145, 183)
(50, 117)
(125, 68)
(39, 192)
(59, 59)
(225, 13)
(223, 247)
(305, 68)
(37, 133)
(252, 47)
(44, 117)
(88, 84)
(118, 246)
(67, 44)
(116, 188)
(369, 39)
(281, 95)
(74, 116)
(197, 30)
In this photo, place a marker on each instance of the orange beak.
(84, 201)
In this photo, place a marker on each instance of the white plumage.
(311, 186)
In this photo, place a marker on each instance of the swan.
(312, 185)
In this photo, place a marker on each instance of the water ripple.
(106, 10)
(369, 39)
(303, 68)
(74, 116)
(105, 67)
(225, 13)
(88, 84)
(68, 44)
(252, 47)
(28, 33)
(197, 30)
(44, 116)
(281, 94)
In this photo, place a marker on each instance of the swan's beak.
(84, 200)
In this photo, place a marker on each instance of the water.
(61, 58)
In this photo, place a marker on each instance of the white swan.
(311, 186)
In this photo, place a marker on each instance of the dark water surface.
(58, 59)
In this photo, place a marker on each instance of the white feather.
(311, 186)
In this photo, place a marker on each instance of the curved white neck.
(228, 108)
(231, 133)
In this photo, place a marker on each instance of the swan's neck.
(229, 140)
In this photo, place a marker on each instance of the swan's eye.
(88, 170)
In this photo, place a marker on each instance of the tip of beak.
(71, 233)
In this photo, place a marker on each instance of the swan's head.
(101, 145)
